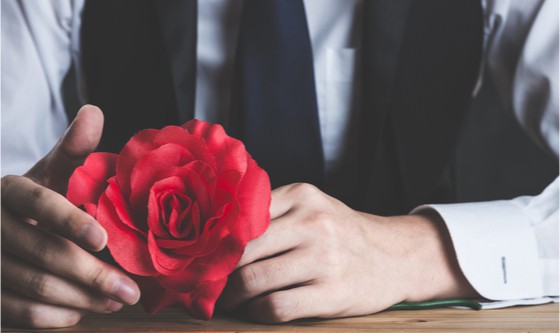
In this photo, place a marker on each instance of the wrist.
(428, 264)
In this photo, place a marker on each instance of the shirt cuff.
(496, 248)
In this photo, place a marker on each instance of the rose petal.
(174, 244)
(127, 246)
(217, 266)
(254, 195)
(202, 302)
(214, 230)
(154, 297)
(198, 181)
(154, 209)
(222, 198)
(193, 230)
(91, 209)
(199, 304)
(201, 187)
(138, 146)
(156, 165)
(223, 260)
(122, 208)
(221, 229)
(229, 153)
(165, 262)
(195, 179)
(228, 214)
(148, 140)
(183, 222)
(227, 217)
(229, 180)
(191, 248)
(90, 180)
(194, 144)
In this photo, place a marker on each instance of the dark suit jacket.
(421, 61)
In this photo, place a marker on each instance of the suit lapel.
(178, 20)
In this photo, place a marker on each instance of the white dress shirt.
(508, 250)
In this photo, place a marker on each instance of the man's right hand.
(48, 277)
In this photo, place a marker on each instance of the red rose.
(179, 205)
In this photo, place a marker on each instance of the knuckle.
(99, 278)
(4, 181)
(70, 221)
(40, 286)
(279, 308)
(304, 190)
(47, 250)
(323, 221)
(6, 184)
(248, 280)
(36, 197)
(7, 179)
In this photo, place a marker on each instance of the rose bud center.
(179, 214)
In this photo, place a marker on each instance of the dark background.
(495, 158)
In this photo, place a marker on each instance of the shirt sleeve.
(38, 45)
(508, 250)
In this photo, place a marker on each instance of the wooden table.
(543, 318)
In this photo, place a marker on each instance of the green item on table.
(436, 304)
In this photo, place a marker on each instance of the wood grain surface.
(543, 318)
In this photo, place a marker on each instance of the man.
(380, 87)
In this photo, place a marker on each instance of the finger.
(286, 198)
(281, 202)
(24, 197)
(282, 235)
(66, 259)
(40, 285)
(21, 311)
(266, 276)
(287, 305)
(81, 138)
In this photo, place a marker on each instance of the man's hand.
(48, 278)
(319, 258)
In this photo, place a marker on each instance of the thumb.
(80, 139)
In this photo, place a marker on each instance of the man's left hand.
(319, 258)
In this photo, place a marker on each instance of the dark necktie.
(275, 102)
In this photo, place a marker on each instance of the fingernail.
(113, 306)
(93, 236)
(126, 291)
